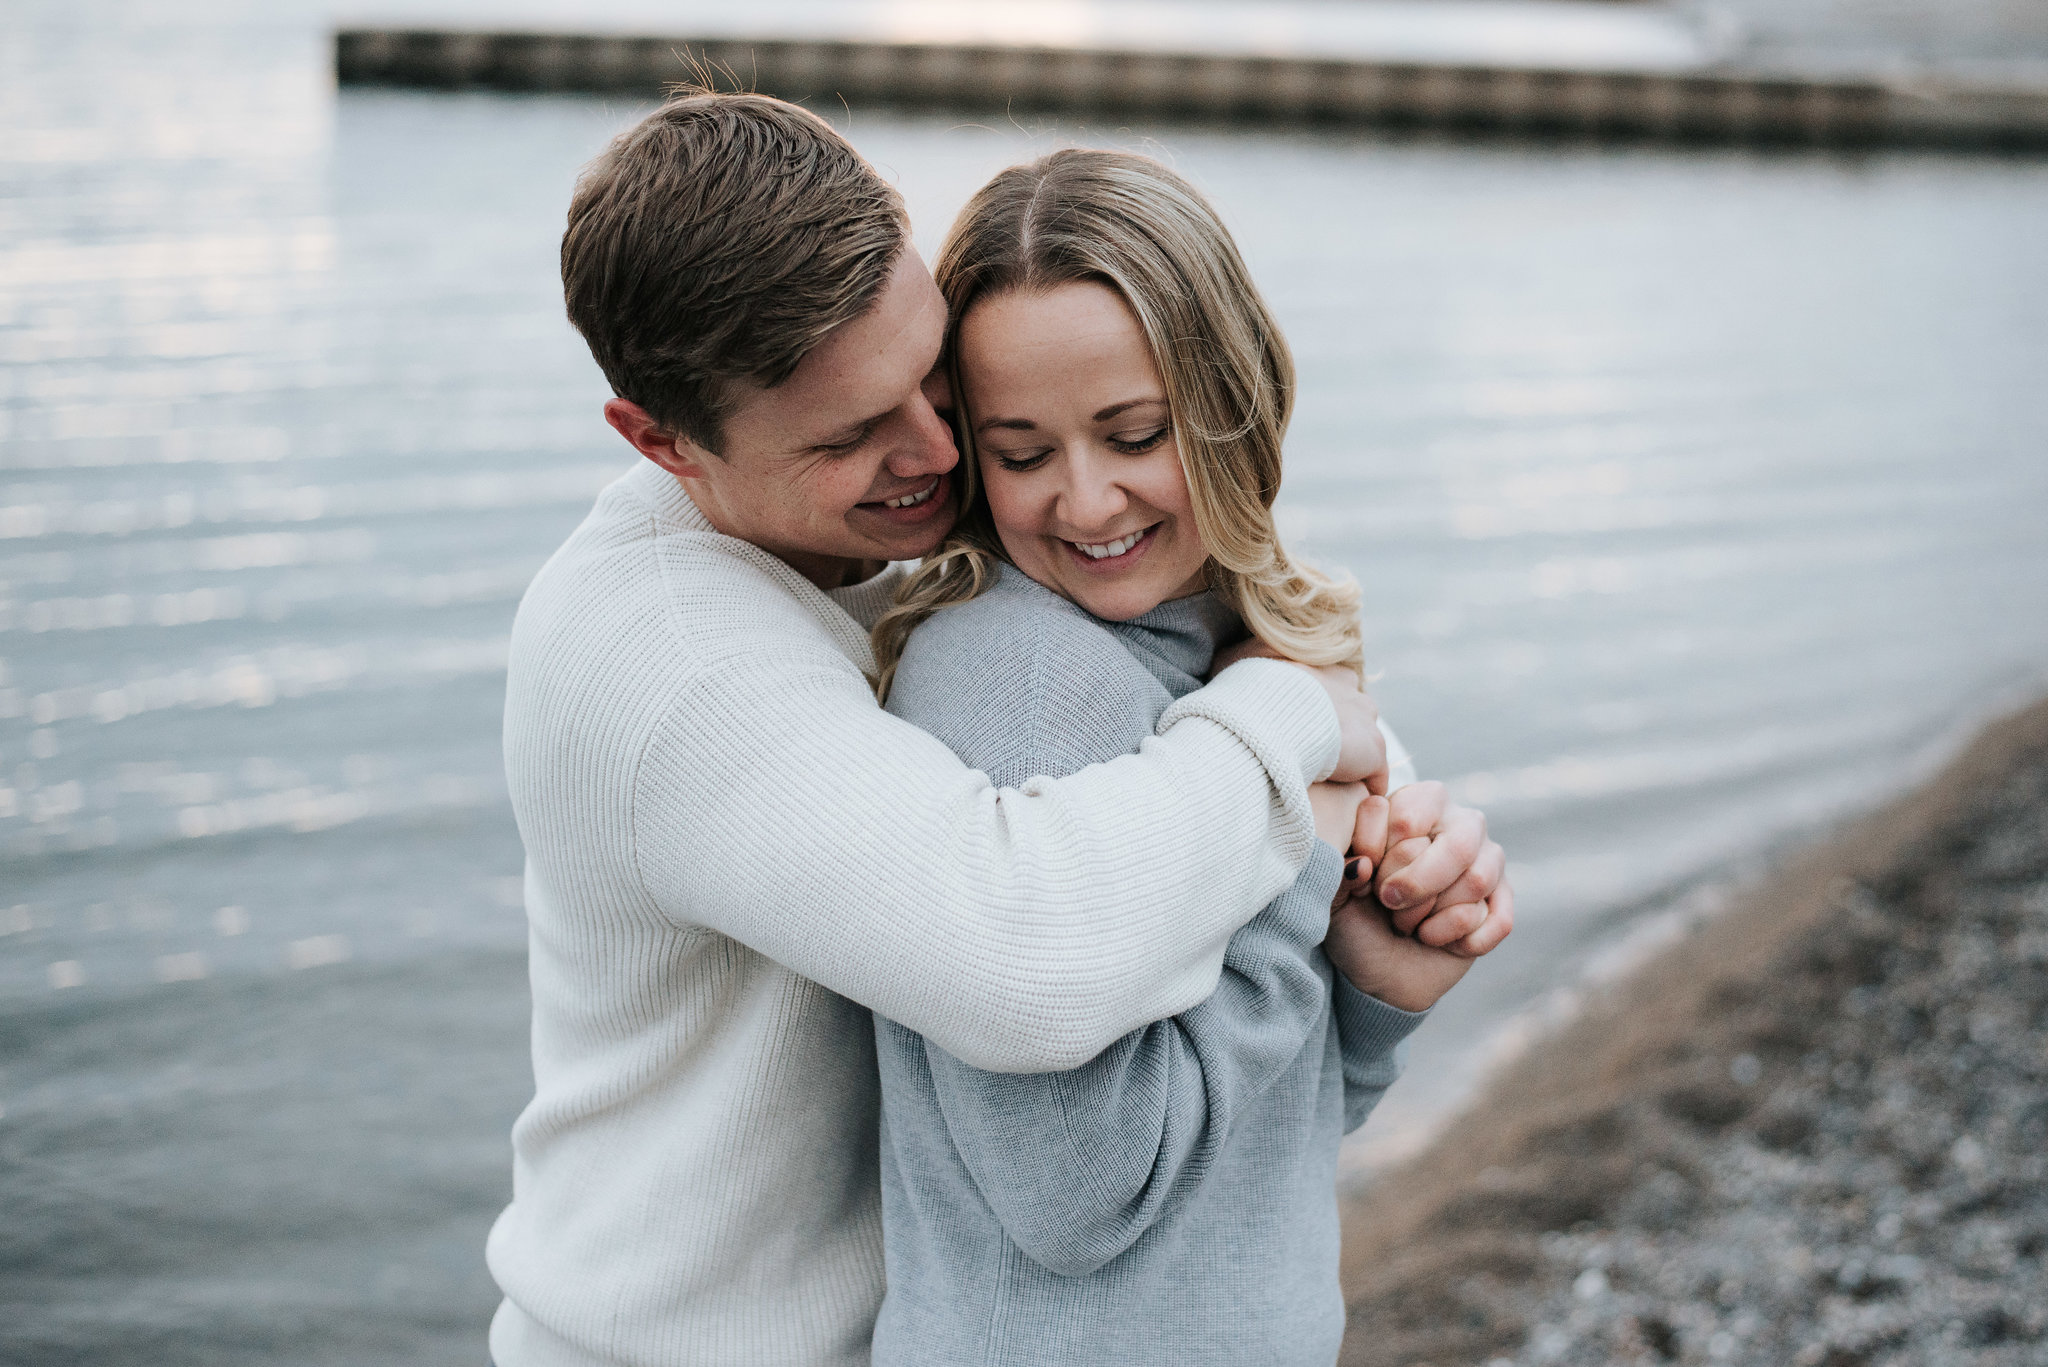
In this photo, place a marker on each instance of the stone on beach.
(1826, 1149)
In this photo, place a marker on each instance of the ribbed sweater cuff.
(1277, 709)
(1369, 1023)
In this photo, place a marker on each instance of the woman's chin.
(1111, 595)
(1116, 603)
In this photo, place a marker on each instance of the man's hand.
(1433, 857)
(1362, 751)
(1440, 877)
(1336, 807)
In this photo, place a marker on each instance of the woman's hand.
(1381, 962)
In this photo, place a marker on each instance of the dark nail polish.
(1351, 871)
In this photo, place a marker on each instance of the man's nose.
(928, 445)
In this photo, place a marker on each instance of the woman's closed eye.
(1021, 460)
(1134, 445)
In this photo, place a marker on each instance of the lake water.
(1700, 498)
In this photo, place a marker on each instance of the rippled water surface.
(1699, 497)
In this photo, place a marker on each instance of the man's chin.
(913, 548)
(907, 543)
(928, 541)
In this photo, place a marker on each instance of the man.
(732, 850)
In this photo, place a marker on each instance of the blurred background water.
(1700, 496)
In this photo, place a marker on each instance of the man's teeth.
(912, 500)
(1109, 548)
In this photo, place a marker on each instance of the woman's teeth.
(1109, 548)
(912, 500)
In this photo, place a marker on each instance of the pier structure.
(1653, 85)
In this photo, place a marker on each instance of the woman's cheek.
(1008, 499)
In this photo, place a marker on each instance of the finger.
(1377, 781)
(1477, 883)
(1362, 922)
(1450, 923)
(1357, 877)
(1369, 832)
(1399, 857)
(1457, 842)
(1363, 749)
(1416, 810)
(1500, 922)
(1361, 753)
(1408, 918)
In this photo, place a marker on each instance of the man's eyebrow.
(1106, 414)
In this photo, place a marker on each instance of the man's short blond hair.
(719, 240)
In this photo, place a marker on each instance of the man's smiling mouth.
(911, 500)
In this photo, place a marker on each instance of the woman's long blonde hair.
(1130, 223)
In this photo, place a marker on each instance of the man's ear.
(678, 455)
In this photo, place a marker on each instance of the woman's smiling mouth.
(1102, 555)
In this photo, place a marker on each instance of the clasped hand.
(1423, 892)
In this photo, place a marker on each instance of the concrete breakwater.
(1704, 105)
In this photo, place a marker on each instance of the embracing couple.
(1016, 1017)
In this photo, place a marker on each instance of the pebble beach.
(1814, 1134)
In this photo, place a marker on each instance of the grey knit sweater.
(1173, 1200)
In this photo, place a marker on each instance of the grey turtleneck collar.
(1175, 641)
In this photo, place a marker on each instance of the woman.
(1123, 392)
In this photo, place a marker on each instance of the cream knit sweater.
(731, 850)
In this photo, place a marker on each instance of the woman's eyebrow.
(1106, 414)
(1006, 424)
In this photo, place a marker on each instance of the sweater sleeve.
(1370, 1034)
(1079, 1165)
(1370, 1031)
(1022, 929)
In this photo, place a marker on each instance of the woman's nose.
(1089, 499)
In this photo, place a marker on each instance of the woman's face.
(1076, 449)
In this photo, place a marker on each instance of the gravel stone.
(1844, 1165)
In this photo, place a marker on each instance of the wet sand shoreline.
(1809, 1133)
